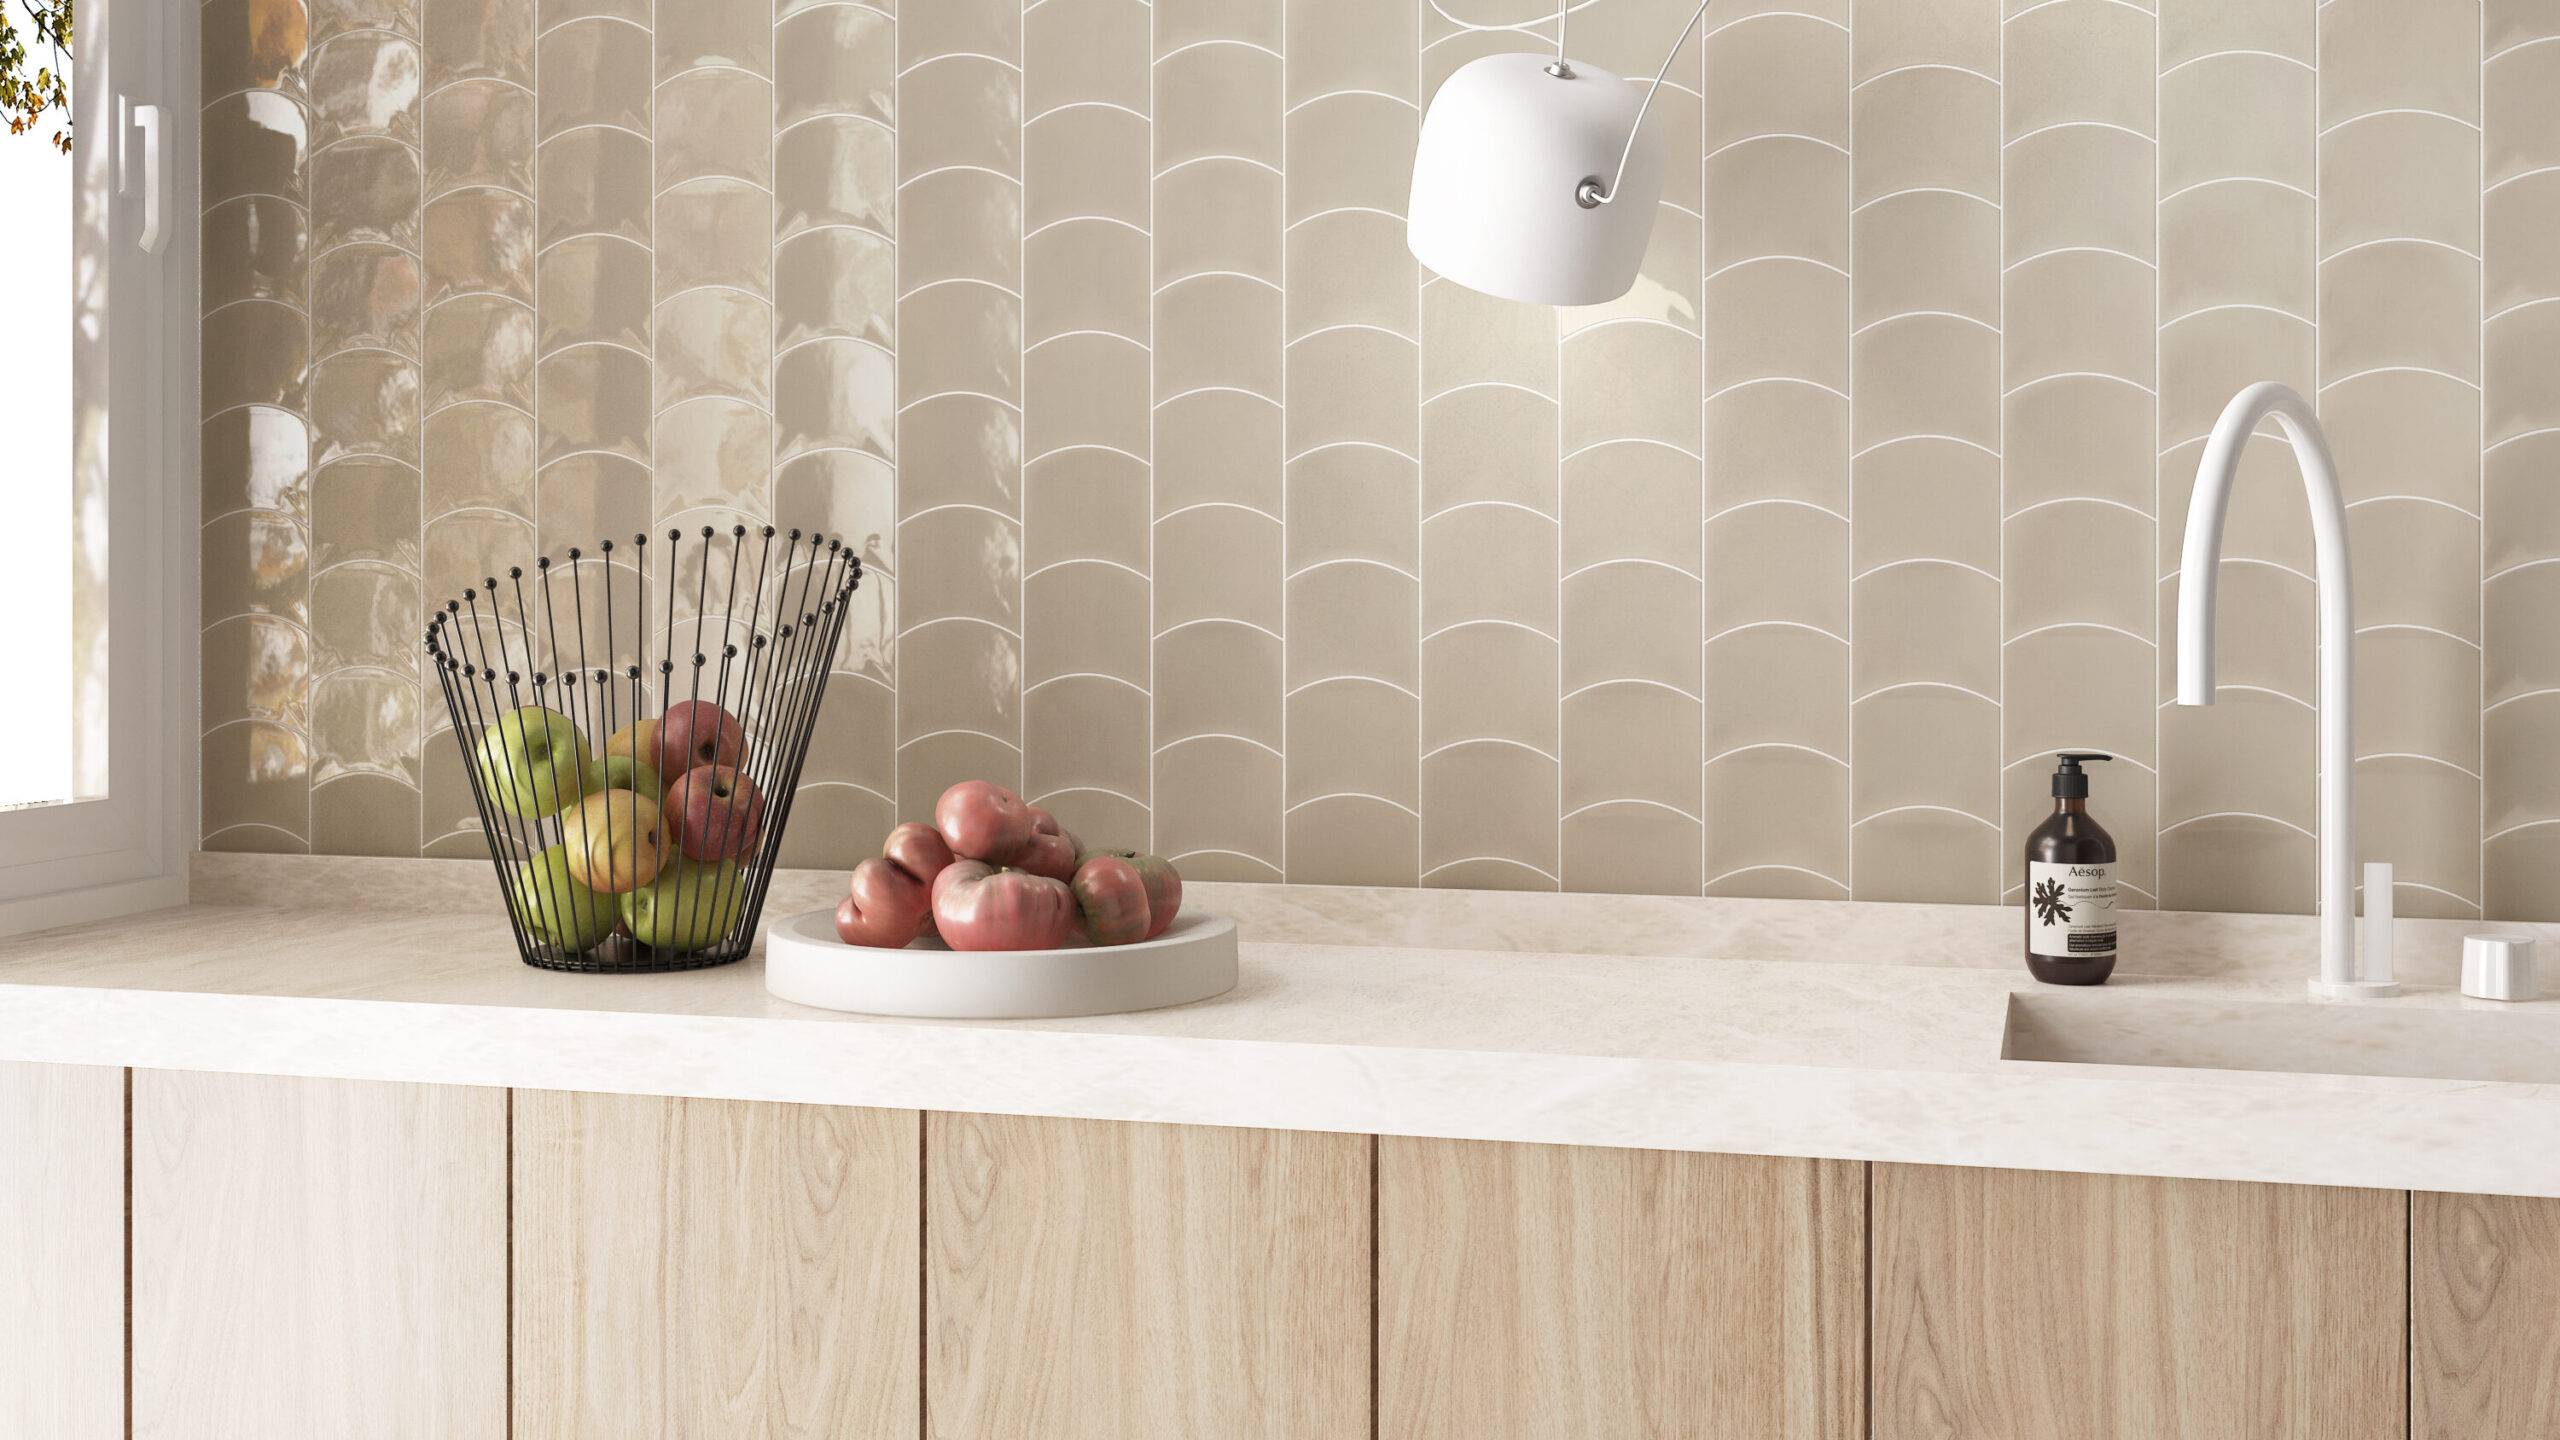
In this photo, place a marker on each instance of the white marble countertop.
(1687, 1047)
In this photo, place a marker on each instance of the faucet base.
(2354, 989)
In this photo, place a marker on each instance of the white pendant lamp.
(1535, 178)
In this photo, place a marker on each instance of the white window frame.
(129, 849)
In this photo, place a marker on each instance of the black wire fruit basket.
(633, 723)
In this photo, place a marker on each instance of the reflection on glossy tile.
(479, 132)
(365, 509)
(365, 297)
(258, 667)
(265, 349)
(254, 145)
(253, 45)
(368, 190)
(480, 347)
(1636, 597)
(365, 84)
(254, 248)
(255, 563)
(256, 458)
(365, 402)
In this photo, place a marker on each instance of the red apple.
(715, 812)
(697, 732)
(887, 906)
(1112, 900)
(979, 907)
(983, 821)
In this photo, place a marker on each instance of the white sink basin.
(2100, 1028)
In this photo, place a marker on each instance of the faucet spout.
(2199, 573)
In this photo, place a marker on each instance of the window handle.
(149, 134)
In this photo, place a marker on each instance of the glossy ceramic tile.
(1195, 508)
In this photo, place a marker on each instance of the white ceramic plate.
(805, 963)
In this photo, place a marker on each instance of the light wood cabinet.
(713, 1267)
(2484, 1334)
(324, 1258)
(1088, 1280)
(318, 1258)
(1533, 1291)
(62, 1226)
(2014, 1305)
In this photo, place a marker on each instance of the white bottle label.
(2071, 910)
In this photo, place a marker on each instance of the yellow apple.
(616, 839)
(639, 739)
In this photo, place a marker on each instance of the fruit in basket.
(981, 820)
(697, 732)
(1163, 885)
(533, 762)
(979, 907)
(638, 739)
(715, 812)
(552, 904)
(1111, 900)
(688, 907)
(616, 839)
(625, 771)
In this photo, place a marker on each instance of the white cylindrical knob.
(2498, 967)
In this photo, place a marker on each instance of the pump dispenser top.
(2070, 782)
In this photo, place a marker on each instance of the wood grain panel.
(2023, 1305)
(2484, 1286)
(713, 1267)
(62, 1231)
(317, 1258)
(1534, 1291)
(1090, 1280)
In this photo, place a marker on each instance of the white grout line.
(1281, 99)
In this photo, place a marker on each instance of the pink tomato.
(979, 907)
(1163, 882)
(887, 907)
(1112, 900)
(980, 820)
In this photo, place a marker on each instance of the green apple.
(556, 908)
(533, 762)
(690, 905)
(616, 771)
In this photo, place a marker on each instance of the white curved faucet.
(2340, 977)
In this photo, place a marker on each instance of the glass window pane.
(42, 573)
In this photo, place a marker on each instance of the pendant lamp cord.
(1591, 195)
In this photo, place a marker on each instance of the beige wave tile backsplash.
(1197, 509)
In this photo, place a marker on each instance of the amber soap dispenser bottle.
(2071, 885)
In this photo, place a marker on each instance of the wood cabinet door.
(2484, 1288)
(2025, 1305)
(712, 1268)
(1093, 1280)
(62, 1251)
(1527, 1292)
(318, 1259)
